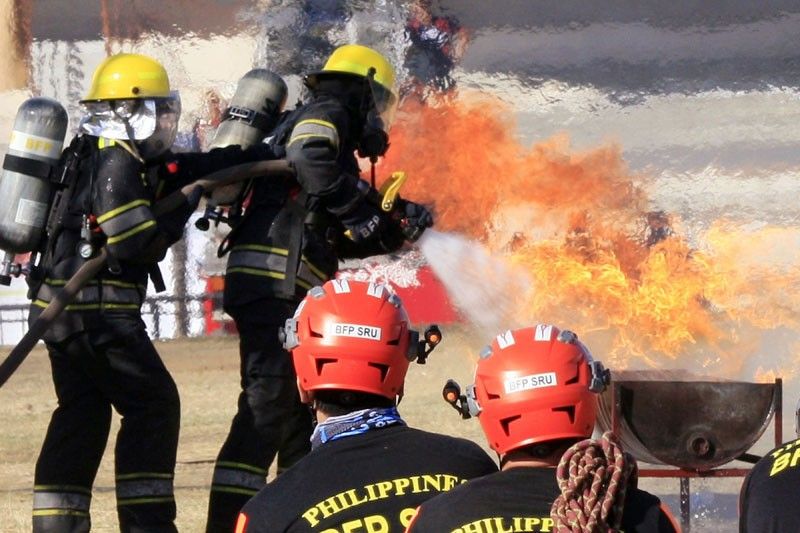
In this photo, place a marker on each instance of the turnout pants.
(114, 364)
(270, 419)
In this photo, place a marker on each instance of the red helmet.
(351, 335)
(534, 385)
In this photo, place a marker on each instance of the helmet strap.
(134, 151)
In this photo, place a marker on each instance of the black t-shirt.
(768, 502)
(519, 499)
(368, 482)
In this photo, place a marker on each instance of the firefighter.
(351, 345)
(535, 397)
(100, 353)
(290, 238)
(768, 494)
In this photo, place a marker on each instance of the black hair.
(341, 402)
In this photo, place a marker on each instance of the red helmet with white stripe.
(534, 385)
(351, 335)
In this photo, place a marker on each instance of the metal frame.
(685, 475)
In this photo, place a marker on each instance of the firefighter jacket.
(367, 482)
(112, 192)
(519, 499)
(290, 238)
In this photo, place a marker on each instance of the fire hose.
(93, 266)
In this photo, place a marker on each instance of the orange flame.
(577, 222)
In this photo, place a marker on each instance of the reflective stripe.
(256, 272)
(61, 500)
(105, 294)
(148, 487)
(242, 466)
(127, 220)
(130, 233)
(121, 209)
(62, 488)
(59, 512)
(314, 128)
(311, 274)
(233, 490)
(140, 501)
(315, 271)
(261, 260)
(144, 475)
(261, 248)
(238, 478)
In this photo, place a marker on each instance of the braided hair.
(593, 476)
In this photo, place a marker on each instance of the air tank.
(253, 112)
(25, 189)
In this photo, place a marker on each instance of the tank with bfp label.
(25, 186)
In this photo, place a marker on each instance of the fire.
(599, 261)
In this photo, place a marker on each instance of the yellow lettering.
(795, 457)
(449, 482)
(311, 516)
(328, 507)
(501, 528)
(371, 492)
(432, 481)
(383, 489)
(547, 524)
(415, 488)
(530, 524)
(400, 485)
(406, 515)
(352, 526)
(376, 524)
(780, 464)
(472, 527)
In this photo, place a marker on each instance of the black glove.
(415, 219)
(172, 223)
(362, 223)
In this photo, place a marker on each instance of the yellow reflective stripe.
(233, 490)
(102, 142)
(144, 475)
(59, 512)
(308, 136)
(120, 306)
(242, 466)
(131, 232)
(139, 501)
(62, 488)
(121, 209)
(256, 272)
(87, 307)
(314, 270)
(261, 248)
(316, 121)
(122, 284)
(267, 274)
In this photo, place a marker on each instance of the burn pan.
(679, 419)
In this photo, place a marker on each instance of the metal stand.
(685, 475)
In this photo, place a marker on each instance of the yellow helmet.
(125, 76)
(356, 59)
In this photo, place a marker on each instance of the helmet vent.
(506, 423)
(320, 362)
(569, 409)
(384, 369)
(492, 396)
(576, 377)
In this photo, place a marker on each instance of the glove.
(362, 223)
(415, 219)
(172, 223)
